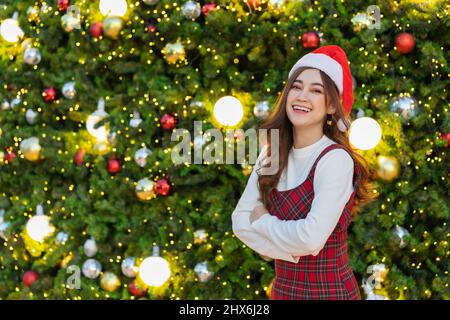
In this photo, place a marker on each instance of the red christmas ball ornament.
(310, 40)
(253, 4)
(10, 155)
(49, 95)
(114, 166)
(151, 28)
(405, 43)
(136, 290)
(63, 5)
(445, 137)
(11, 87)
(168, 122)
(96, 29)
(29, 278)
(208, 7)
(78, 158)
(162, 187)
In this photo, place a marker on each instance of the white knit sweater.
(289, 240)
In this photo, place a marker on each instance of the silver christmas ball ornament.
(404, 106)
(191, 9)
(136, 120)
(68, 90)
(141, 155)
(129, 267)
(261, 110)
(91, 268)
(3, 224)
(62, 237)
(401, 233)
(15, 102)
(202, 272)
(30, 116)
(90, 247)
(32, 56)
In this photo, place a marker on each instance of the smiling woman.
(299, 216)
(305, 105)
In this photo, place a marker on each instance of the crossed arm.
(290, 239)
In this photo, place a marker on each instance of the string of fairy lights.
(115, 19)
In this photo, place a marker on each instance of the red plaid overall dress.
(327, 275)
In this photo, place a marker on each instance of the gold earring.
(329, 121)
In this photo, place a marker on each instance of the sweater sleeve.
(241, 221)
(333, 186)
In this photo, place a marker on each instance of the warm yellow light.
(10, 30)
(228, 111)
(154, 271)
(113, 7)
(365, 133)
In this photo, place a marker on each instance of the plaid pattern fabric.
(325, 276)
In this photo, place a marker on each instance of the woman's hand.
(258, 212)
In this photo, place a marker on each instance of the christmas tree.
(92, 205)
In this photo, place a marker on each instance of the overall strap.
(324, 152)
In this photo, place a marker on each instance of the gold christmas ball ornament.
(174, 52)
(112, 27)
(388, 168)
(32, 13)
(109, 282)
(360, 21)
(31, 149)
(200, 236)
(145, 189)
(69, 23)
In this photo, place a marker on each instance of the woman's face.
(305, 105)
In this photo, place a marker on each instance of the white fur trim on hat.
(324, 63)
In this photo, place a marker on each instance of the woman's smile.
(300, 109)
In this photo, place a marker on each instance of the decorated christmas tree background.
(92, 205)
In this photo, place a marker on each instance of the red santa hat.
(333, 61)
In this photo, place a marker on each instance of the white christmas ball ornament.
(228, 111)
(39, 227)
(114, 8)
(10, 29)
(154, 271)
(365, 133)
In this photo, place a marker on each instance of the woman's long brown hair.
(365, 191)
